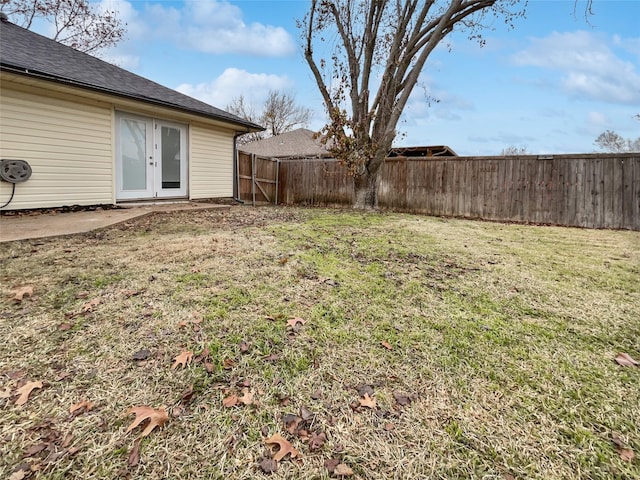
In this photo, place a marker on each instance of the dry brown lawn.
(425, 348)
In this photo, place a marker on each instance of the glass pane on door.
(133, 151)
(171, 157)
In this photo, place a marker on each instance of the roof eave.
(247, 127)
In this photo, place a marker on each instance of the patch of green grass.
(503, 337)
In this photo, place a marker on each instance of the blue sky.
(552, 84)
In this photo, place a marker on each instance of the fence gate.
(257, 178)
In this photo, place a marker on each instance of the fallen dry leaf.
(203, 357)
(331, 464)
(84, 404)
(306, 414)
(247, 397)
(66, 441)
(342, 470)
(130, 293)
(272, 357)
(285, 447)
(134, 456)
(291, 422)
(230, 401)
(317, 440)
(16, 374)
(187, 396)
(618, 442)
(20, 292)
(626, 361)
(141, 355)
(268, 465)
(364, 388)
(292, 322)
(626, 454)
(367, 401)
(157, 418)
(18, 475)
(25, 391)
(35, 449)
(402, 399)
(183, 359)
(89, 306)
(386, 345)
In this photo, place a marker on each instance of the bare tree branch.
(280, 114)
(76, 23)
(380, 50)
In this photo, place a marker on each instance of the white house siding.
(211, 157)
(67, 141)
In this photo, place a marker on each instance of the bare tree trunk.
(366, 190)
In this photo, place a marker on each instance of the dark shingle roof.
(27, 53)
(296, 143)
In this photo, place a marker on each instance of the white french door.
(151, 158)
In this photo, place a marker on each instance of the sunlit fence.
(590, 190)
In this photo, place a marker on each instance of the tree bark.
(365, 187)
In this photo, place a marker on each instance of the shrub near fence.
(590, 190)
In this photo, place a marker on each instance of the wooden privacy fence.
(257, 178)
(590, 190)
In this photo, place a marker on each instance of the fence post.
(253, 179)
(277, 178)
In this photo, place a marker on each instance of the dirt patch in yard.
(374, 345)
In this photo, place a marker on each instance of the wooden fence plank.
(632, 194)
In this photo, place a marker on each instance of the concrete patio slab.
(40, 225)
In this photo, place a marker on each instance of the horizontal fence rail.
(590, 190)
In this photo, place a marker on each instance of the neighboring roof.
(427, 151)
(303, 143)
(28, 53)
(296, 143)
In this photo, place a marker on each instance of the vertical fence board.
(608, 192)
(557, 181)
(633, 194)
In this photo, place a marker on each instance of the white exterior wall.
(67, 142)
(211, 167)
(68, 137)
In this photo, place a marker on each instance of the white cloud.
(591, 68)
(125, 54)
(135, 27)
(631, 45)
(429, 103)
(233, 82)
(217, 27)
(503, 138)
(122, 60)
(597, 119)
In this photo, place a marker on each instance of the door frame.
(153, 160)
(159, 190)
